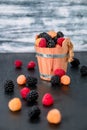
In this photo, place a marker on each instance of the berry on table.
(47, 99)
(24, 91)
(31, 65)
(21, 79)
(55, 80)
(9, 86)
(31, 81)
(83, 70)
(75, 62)
(32, 96)
(59, 72)
(34, 113)
(65, 80)
(15, 104)
(18, 63)
(54, 116)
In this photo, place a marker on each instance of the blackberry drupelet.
(55, 80)
(31, 81)
(32, 96)
(75, 62)
(9, 86)
(60, 34)
(83, 70)
(51, 43)
(34, 113)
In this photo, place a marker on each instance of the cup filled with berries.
(53, 52)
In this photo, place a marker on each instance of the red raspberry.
(18, 63)
(24, 91)
(31, 65)
(59, 72)
(42, 42)
(60, 41)
(47, 99)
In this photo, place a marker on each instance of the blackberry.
(55, 80)
(9, 86)
(32, 96)
(55, 39)
(83, 70)
(31, 81)
(34, 113)
(51, 43)
(60, 34)
(75, 62)
(45, 35)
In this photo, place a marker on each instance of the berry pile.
(60, 78)
(49, 39)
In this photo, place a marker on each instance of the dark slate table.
(71, 101)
